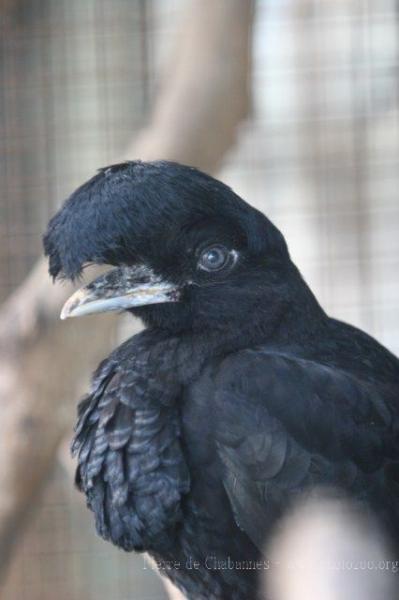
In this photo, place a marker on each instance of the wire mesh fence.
(319, 155)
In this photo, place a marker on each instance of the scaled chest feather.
(130, 463)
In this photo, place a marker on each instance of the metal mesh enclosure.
(319, 155)
(74, 89)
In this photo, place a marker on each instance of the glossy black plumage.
(200, 432)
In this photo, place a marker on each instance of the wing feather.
(290, 425)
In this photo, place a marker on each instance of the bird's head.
(189, 253)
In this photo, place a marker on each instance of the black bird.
(240, 394)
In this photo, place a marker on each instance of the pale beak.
(120, 289)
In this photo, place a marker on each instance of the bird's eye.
(214, 258)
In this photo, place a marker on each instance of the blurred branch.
(206, 91)
(203, 99)
(328, 549)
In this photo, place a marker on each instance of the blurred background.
(315, 145)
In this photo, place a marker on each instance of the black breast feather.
(130, 463)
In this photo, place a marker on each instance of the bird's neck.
(294, 319)
(299, 320)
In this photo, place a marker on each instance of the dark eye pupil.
(214, 258)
